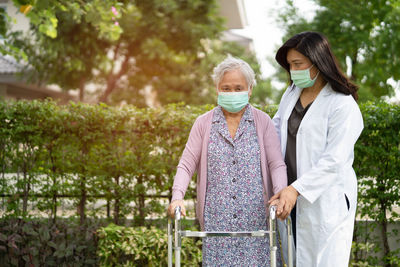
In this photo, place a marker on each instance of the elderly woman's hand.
(287, 198)
(173, 205)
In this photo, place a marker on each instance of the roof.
(8, 65)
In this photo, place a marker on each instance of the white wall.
(19, 21)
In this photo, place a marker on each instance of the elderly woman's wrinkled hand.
(173, 205)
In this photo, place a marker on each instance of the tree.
(361, 32)
(118, 46)
(128, 48)
(197, 86)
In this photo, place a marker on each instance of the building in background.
(13, 85)
(235, 16)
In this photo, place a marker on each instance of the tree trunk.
(82, 89)
(116, 206)
(110, 87)
(82, 202)
(353, 76)
(113, 79)
(26, 191)
(384, 232)
(54, 191)
(54, 201)
(108, 209)
(25, 197)
(141, 206)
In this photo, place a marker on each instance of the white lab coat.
(324, 152)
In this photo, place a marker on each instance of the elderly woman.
(236, 152)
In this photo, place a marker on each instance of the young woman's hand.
(287, 199)
(173, 205)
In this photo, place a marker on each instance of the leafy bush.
(44, 243)
(377, 161)
(86, 152)
(141, 246)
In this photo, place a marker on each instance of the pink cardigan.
(194, 158)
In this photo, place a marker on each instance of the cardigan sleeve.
(276, 164)
(189, 162)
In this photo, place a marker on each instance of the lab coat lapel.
(317, 104)
(294, 96)
(289, 104)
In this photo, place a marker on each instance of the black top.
(294, 121)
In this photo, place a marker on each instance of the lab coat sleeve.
(188, 162)
(344, 127)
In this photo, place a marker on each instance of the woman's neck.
(233, 116)
(316, 88)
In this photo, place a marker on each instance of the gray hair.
(232, 63)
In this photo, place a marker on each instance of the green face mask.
(302, 78)
(233, 101)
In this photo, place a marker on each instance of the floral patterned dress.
(234, 195)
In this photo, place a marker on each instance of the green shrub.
(377, 161)
(120, 154)
(44, 243)
(141, 246)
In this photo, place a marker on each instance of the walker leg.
(178, 238)
(169, 243)
(272, 236)
(273, 256)
(290, 248)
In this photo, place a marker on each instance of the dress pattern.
(234, 195)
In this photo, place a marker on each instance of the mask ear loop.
(310, 73)
(316, 76)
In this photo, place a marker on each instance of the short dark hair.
(315, 46)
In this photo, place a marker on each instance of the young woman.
(318, 122)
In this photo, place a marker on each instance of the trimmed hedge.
(87, 152)
(122, 154)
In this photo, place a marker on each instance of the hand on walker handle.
(285, 201)
(173, 205)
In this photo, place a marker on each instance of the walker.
(178, 234)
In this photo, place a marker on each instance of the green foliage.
(124, 48)
(44, 243)
(90, 151)
(141, 246)
(120, 47)
(44, 14)
(365, 248)
(377, 161)
(361, 31)
(121, 154)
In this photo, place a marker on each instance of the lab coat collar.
(295, 94)
(326, 90)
